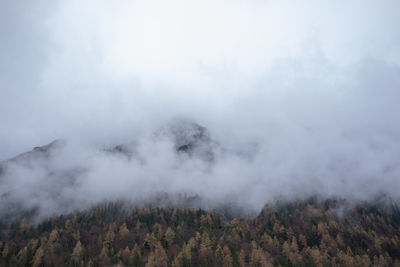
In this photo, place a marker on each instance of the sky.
(310, 89)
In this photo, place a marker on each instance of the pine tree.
(219, 256)
(242, 259)
(227, 261)
(169, 236)
(23, 257)
(135, 257)
(38, 258)
(53, 236)
(160, 256)
(5, 251)
(78, 253)
(126, 254)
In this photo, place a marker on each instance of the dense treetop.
(302, 233)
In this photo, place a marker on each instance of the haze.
(298, 98)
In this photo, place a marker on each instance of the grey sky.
(313, 85)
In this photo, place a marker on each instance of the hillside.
(301, 233)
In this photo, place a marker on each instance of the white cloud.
(313, 85)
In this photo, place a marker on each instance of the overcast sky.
(73, 68)
(316, 84)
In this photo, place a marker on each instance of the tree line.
(299, 233)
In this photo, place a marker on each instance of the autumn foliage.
(302, 233)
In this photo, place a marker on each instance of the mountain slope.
(305, 233)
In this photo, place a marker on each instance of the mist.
(237, 102)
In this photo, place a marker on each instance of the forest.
(298, 233)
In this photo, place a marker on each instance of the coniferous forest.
(211, 133)
(300, 233)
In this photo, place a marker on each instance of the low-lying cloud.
(296, 100)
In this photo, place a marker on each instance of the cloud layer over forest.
(297, 99)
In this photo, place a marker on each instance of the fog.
(296, 100)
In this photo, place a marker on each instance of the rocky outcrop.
(191, 139)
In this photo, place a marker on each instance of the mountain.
(62, 205)
(50, 178)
